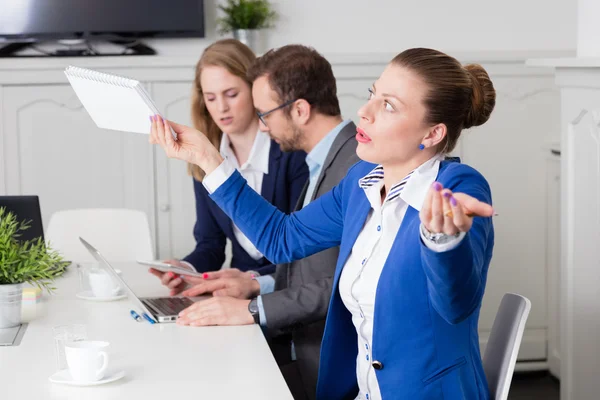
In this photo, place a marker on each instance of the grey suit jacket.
(303, 288)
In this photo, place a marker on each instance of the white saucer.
(64, 377)
(88, 295)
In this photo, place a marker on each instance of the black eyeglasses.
(262, 115)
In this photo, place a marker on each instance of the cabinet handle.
(165, 208)
(555, 152)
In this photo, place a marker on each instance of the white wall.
(388, 26)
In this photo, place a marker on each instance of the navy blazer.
(281, 187)
(427, 305)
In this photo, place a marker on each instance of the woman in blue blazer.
(414, 230)
(223, 110)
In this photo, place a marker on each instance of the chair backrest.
(503, 345)
(120, 234)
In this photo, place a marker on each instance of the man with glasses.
(294, 93)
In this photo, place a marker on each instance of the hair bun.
(483, 99)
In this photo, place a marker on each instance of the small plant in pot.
(246, 18)
(30, 261)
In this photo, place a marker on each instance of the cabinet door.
(580, 236)
(53, 149)
(553, 240)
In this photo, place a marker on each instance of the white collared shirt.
(253, 170)
(359, 278)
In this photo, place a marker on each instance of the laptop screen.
(25, 208)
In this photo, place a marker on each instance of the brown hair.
(459, 97)
(299, 72)
(236, 58)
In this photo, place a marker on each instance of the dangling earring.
(421, 146)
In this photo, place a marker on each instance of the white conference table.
(160, 360)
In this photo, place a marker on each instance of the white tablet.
(164, 267)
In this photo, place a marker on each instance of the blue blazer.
(427, 308)
(281, 187)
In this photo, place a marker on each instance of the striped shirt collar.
(412, 188)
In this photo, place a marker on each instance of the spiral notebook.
(113, 102)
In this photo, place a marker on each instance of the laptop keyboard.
(170, 305)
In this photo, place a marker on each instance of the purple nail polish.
(447, 195)
(453, 201)
(437, 186)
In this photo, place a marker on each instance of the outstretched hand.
(451, 213)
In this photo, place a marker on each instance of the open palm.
(450, 213)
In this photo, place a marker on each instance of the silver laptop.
(159, 309)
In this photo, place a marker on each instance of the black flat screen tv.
(38, 20)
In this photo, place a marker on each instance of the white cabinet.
(579, 303)
(580, 223)
(50, 147)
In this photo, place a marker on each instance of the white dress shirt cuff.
(261, 312)
(441, 247)
(187, 264)
(267, 284)
(216, 178)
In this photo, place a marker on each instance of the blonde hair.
(236, 58)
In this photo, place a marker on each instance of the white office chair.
(503, 345)
(121, 235)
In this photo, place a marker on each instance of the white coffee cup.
(102, 284)
(86, 360)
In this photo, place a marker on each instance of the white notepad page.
(112, 101)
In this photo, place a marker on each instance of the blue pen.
(148, 318)
(135, 316)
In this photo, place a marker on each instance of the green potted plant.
(245, 18)
(30, 261)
